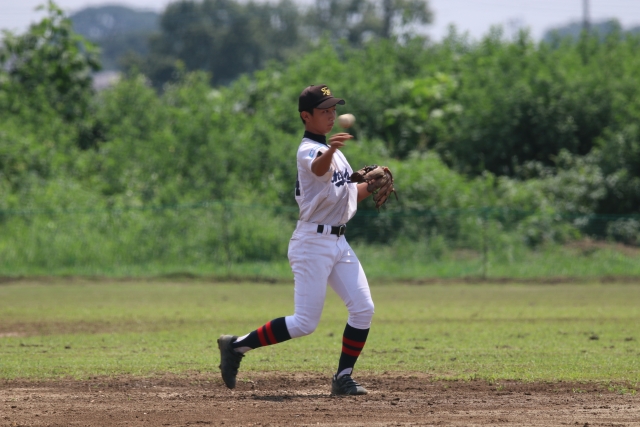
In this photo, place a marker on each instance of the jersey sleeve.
(307, 154)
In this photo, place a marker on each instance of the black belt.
(337, 230)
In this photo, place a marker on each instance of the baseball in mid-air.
(346, 120)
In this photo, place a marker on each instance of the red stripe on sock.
(352, 343)
(270, 335)
(261, 337)
(347, 350)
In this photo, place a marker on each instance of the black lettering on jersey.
(341, 178)
(297, 186)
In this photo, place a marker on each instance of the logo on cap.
(325, 90)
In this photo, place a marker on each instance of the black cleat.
(346, 386)
(229, 360)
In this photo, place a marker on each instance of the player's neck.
(316, 137)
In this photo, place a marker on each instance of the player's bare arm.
(363, 193)
(322, 163)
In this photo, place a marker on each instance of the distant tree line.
(574, 30)
(227, 38)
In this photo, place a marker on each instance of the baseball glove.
(380, 182)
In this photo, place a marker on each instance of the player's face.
(321, 122)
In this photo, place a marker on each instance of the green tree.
(49, 64)
(399, 14)
(227, 38)
(524, 102)
(223, 37)
(358, 21)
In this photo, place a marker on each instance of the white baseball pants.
(320, 259)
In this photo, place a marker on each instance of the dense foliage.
(535, 138)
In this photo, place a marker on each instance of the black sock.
(272, 332)
(353, 341)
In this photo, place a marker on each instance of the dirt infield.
(271, 399)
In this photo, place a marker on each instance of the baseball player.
(318, 250)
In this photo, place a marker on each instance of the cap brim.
(328, 103)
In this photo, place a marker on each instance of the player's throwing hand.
(338, 140)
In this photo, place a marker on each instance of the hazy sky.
(474, 16)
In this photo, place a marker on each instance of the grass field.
(520, 332)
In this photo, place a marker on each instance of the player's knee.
(360, 316)
(302, 325)
(368, 310)
(307, 328)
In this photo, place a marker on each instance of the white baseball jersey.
(330, 199)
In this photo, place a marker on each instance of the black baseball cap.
(318, 96)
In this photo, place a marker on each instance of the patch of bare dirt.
(275, 399)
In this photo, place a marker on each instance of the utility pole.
(585, 14)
